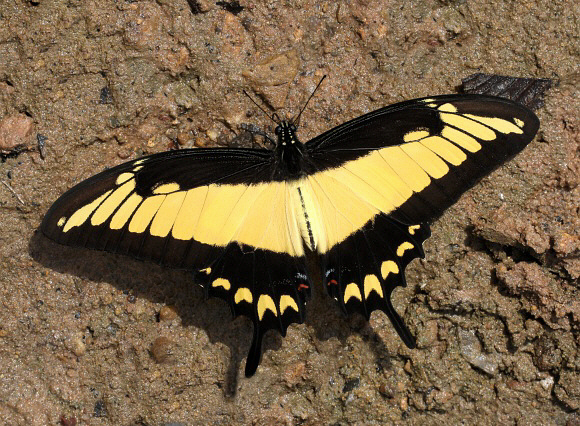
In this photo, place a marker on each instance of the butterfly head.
(289, 151)
(286, 132)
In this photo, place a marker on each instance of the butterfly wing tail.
(363, 270)
(269, 288)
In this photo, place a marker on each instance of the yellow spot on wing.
(469, 126)
(123, 177)
(519, 122)
(426, 159)
(415, 135)
(388, 267)
(445, 149)
(265, 303)
(188, 216)
(409, 171)
(496, 123)
(166, 188)
(81, 215)
(287, 302)
(61, 221)
(463, 140)
(221, 282)
(122, 215)
(165, 216)
(404, 247)
(413, 228)
(447, 108)
(372, 283)
(112, 202)
(243, 294)
(145, 213)
(352, 290)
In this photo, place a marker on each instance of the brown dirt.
(105, 340)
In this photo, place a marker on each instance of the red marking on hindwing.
(332, 282)
(302, 286)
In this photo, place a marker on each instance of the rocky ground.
(90, 338)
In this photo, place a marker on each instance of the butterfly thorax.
(289, 152)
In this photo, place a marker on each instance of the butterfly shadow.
(176, 288)
(138, 279)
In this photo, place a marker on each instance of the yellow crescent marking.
(287, 302)
(265, 303)
(404, 247)
(221, 282)
(124, 212)
(372, 283)
(136, 169)
(415, 135)
(141, 161)
(413, 228)
(144, 214)
(81, 215)
(428, 100)
(112, 202)
(519, 122)
(61, 221)
(243, 294)
(123, 177)
(206, 271)
(166, 188)
(352, 290)
(387, 267)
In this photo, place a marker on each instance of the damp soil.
(90, 338)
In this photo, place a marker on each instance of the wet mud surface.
(90, 338)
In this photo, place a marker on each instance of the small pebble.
(167, 313)
(15, 130)
(386, 391)
(77, 346)
(162, 349)
(404, 404)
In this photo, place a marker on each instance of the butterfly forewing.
(421, 155)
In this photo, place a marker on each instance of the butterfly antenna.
(296, 120)
(273, 117)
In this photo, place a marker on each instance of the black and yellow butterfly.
(360, 196)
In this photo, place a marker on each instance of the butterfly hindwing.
(361, 272)
(269, 288)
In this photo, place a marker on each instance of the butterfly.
(360, 197)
